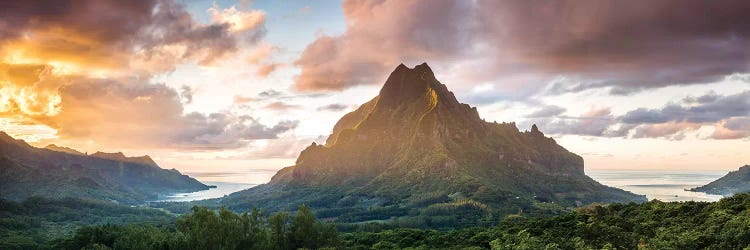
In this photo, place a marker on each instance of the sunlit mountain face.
(233, 86)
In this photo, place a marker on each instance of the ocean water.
(226, 182)
(663, 185)
(222, 188)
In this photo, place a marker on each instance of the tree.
(278, 224)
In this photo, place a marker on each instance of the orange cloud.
(116, 37)
(82, 69)
(29, 90)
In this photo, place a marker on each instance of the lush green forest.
(208, 229)
(652, 225)
(36, 222)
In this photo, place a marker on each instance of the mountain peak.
(406, 84)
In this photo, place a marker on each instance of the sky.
(243, 86)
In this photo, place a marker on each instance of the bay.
(663, 185)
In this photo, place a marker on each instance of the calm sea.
(664, 185)
(222, 188)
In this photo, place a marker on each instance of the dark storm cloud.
(149, 35)
(627, 45)
(107, 20)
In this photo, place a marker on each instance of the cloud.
(414, 31)
(123, 112)
(729, 115)
(710, 108)
(669, 130)
(143, 114)
(242, 99)
(28, 90)
(239, 21)
(625, 46)
(261, 53)
(262, 96)
(266, 69)
(733, 128)
(547, 111)
(595, 122)
(284, 147)
(186, 93)
(269, 93)
(141, 37)
(333, 107)
(280, 106)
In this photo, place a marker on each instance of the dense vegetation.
(34, 222)
(732, 183)
(653, 225)
(208, 229)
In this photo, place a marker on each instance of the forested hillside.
(653, 225)
(57, 172)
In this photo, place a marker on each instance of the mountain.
(732, 183)
(55, 172)
(415, 150)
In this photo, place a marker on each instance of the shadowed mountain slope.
(54, 171)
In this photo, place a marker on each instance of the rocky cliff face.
(415, 138)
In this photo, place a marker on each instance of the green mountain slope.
(27, 171)
(414, 149)
(732, 183)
